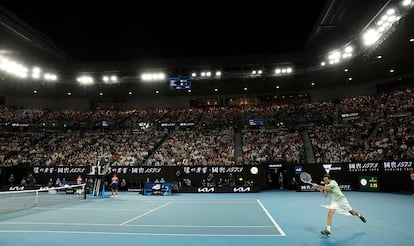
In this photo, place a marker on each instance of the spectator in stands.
(179, 178)
(58, 182)
(280, 180)
(412, 181)
(79, 180)
(11, 180)
(187, 182)
(50, 183)
(123, 184)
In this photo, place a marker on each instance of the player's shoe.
(326, 233)
(363, 219)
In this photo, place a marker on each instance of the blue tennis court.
(266, 218)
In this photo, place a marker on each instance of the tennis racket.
(306, 178)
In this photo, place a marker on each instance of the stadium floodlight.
(208, 74)
(259, 72)
(101, 94)
(105, 78)
(218, 73)
(130, 93)
(254, 72)
(406, 3)
(50, 77)
(283, 70)
(114, 78)
(35, 75)
(203, 74)
(85, 80)
(194, 75)
(69, 93)
(323, 64)
(370, 37)
(277, 87)
(36, 70)
(152, 76)
(411, 40)
(215, 90)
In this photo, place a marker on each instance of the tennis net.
(11, 201)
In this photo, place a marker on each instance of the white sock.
(328, 228)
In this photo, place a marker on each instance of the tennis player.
(339, 201)
(114, 185)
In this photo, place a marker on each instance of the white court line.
(96, 209)
(146, 234)
(158, 226)
(271, 219)
(152, 210)
(201, 201)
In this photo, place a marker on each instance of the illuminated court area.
(266, 218)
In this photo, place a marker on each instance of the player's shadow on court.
(340, 239)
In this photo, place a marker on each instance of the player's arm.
(322, 187)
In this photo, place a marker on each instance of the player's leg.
(327, 232)
(355, 213)
(345, 206)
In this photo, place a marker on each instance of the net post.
(103, 191)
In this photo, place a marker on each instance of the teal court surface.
(266, 218)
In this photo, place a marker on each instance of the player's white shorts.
(341, 206)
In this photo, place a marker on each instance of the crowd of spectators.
(208, 136)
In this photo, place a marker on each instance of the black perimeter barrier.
(387, 176)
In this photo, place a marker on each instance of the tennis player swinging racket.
(339, 201)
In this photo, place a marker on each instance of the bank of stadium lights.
(283, 71)
(406, 3)
(257, 72)
(153, 76)
(207, 74)
(337, 56)
(381, 25)
(110, 79)
(17, 69)
(49, 77)
(13, 68)
(85, 80)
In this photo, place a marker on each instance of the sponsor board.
(398, 166)
(241, 189)
(345, 187)
(331, 167)
(16, 188)
(363, 167)
(206, 190)
(237, 189)
(298, 170)
(305, 188)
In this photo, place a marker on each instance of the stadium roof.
(76, 37)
